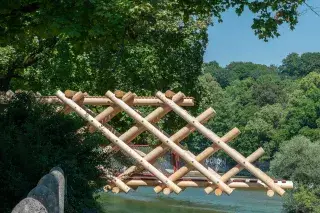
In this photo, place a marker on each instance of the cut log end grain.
(69, 93)
(169, 94)
(119, 93)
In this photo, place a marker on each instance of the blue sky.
(234, 40)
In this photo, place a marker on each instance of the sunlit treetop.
(109, 18)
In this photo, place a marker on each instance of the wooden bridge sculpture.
(176, 182)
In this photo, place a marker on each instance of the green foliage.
(245, 70)
(298, 160)
(237, 71)
(295, 65)
(142, 46)
(34, 138)
(132, 45)
(268, 89)
(266, 107)
(212, 96)
(223, 76)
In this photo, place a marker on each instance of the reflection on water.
(190, 201)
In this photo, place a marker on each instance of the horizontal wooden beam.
(235, 170)
(160, 150)
(104, 101)
(114, 139)
(211, 175)
(107, 114)
(234, 184)
(225, 147)
(201, 157)
(137, 129)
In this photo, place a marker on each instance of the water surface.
(192, 200)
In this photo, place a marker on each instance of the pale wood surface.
(107, 114)
(162, 149)
(164, 139)
(235, 170)
(114, 139)
(136, 130)
(201, 157)
(216, 139)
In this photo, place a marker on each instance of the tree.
(303, 107)
(34, 138)
(297, 66)
(245, 70)
(212, 96)
(146, 38)
(223, 76)
(298, 160)
(268, 89)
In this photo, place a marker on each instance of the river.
(192, 200)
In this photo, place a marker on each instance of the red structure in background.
(174, 158)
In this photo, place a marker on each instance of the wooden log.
(235, 170)
(164, 139)
(114, 139)
(259, 185)
(69, 93)
(218, 192)
(119, 93)
(9, 94)
(214, 138)
(113, 180)
(169, 94)
(78, 98)
(88, 110)
(116, 190)
(270, 193)
(136, 130)
(201, 157)
(103, 101)
(107, 114)
(107, 188)
(162, 149)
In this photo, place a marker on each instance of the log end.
(208, 190)
(157, 189)
(167, 191)
(69, 93)
(169, 94)
(107, 188)
(218, 192)
(116, 190)
(119, 93)
(270, 193)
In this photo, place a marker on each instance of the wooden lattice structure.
(176, 182)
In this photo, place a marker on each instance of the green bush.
(34, 138)
(298, 160)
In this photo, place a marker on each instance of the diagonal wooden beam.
(78, 97)
(164, 139)
(200, 158)
(230, 151)
(162, 149)
(107, 114)
(235, 170)
(153, 117)
(114, 179)
(114, 139)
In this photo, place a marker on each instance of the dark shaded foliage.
(34, 138)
